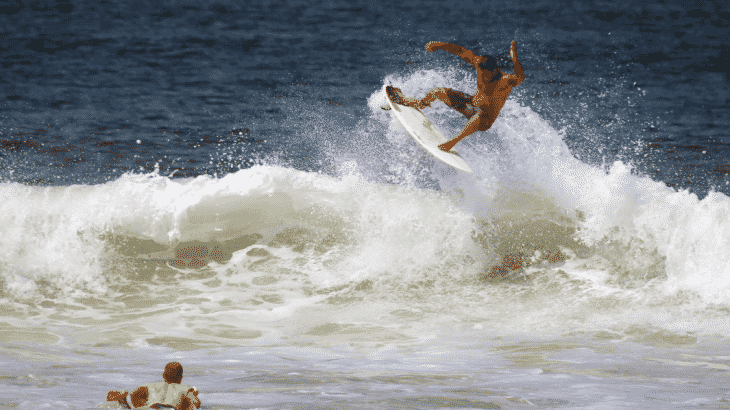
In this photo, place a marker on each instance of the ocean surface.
(213, 182)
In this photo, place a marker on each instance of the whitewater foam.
(534, 240)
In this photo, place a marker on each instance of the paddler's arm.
(119, 396)
(460, 51)
(519, 75)
(192, 395)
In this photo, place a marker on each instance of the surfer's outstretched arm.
(460, 51)
(519, 75)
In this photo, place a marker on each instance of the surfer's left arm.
(460, 51)
(519, 75)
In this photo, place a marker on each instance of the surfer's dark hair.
(488, 63)
(173, 373)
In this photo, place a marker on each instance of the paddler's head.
(173, 373)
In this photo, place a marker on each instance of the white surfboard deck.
(425, 133)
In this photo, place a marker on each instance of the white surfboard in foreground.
(426, 134)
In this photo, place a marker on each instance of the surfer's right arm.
(460, 51)
(519, 75)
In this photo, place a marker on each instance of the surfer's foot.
(446, 147)
(385, 107)
(396, 95)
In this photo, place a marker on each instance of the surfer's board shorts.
(462, 102)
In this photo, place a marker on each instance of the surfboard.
(425, 133)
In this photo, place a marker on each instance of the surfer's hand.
(513, 50)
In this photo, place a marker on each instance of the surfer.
(482, 108)
(168, 394)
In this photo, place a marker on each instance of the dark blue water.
(92, 90)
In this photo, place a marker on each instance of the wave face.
(384, 249)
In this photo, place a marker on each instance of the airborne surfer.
(481, 109)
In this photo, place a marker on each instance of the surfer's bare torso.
(491, 95)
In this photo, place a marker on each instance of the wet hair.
(488, 63)
(173, 373)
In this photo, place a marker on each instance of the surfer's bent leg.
(457, 100)
(397, 96)
(478, 122)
